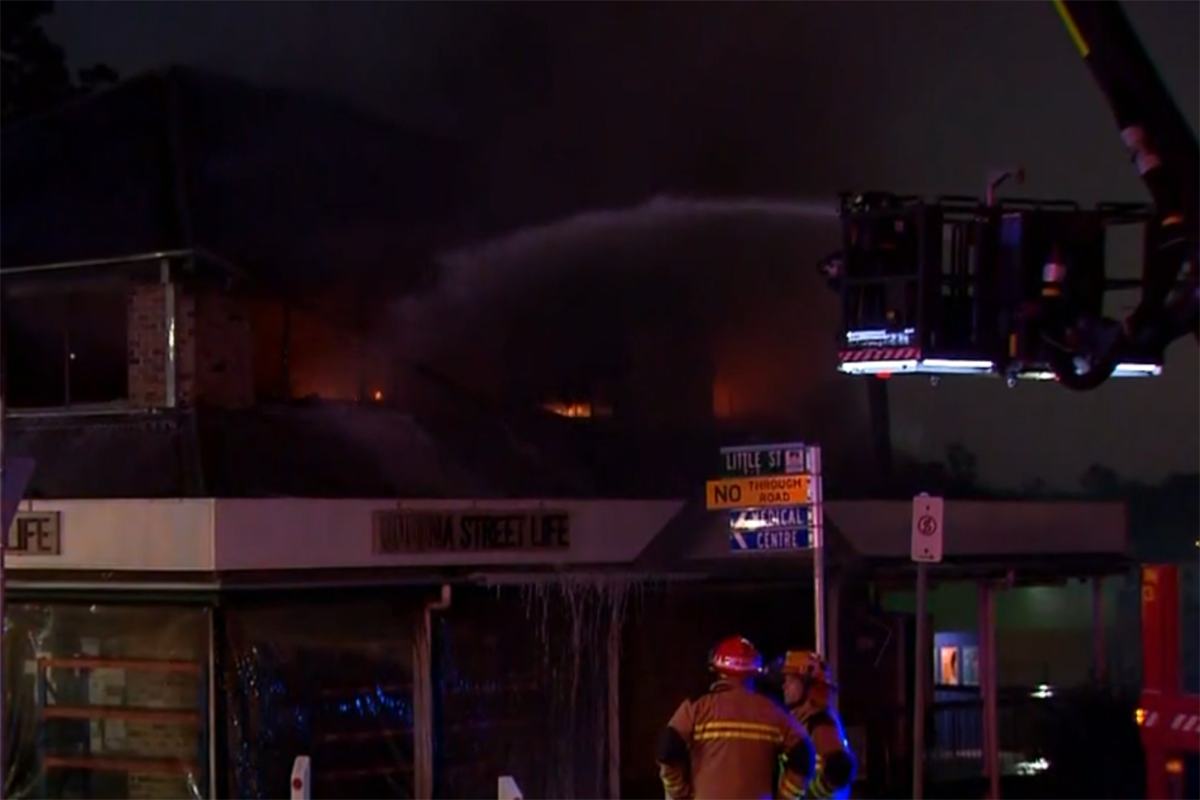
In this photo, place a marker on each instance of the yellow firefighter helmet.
(809, 666)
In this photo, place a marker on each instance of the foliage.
(1164, 517)
(956, 475)
(962, 466)
(1101, 481)
(35, 77)
(1035, 488)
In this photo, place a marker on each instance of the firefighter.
(808, 688)
(726, 743)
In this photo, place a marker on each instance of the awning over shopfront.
(982, 536)
(216, 541)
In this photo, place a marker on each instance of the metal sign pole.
(3, 608)
(920, 670)
(926, 547)
(774, 495)
(818, 549)
(991, 738)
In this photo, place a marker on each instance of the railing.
(1048, 740)
(955, 745)
(71, 702)
(953, 737)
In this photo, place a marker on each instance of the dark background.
(576, 106)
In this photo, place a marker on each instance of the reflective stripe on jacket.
(735, 737)
(828, 736)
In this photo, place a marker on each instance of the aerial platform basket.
(962, 286)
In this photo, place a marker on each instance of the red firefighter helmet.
(735, 657)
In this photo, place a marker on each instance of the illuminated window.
(570, 410)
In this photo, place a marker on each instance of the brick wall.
(214, 347)
(147, 345)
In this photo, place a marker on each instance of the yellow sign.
(774, 490)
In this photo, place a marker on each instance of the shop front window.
(333, 681)
(106, 701)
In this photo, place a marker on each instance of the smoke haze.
(691, 296)
(572, 106)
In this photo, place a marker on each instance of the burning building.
(301, 488)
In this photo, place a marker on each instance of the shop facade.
(193, 648)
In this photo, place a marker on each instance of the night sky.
(577, 105)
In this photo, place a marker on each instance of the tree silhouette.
(962, 466)
(34, 76)
(1099, 480)
(956, 475)
(1035, 487)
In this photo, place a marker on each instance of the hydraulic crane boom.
(970, 286)
(1165, 152)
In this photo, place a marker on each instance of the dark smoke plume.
(647, 293)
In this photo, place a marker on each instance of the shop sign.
(398, 532)
(35, 533)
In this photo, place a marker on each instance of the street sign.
(778, 528)
(779, 539)
(770, 519)
(13, 482)
(773, 493)
(764, 459)
(780, 490)
(927, 529)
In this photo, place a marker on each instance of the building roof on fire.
(282, 451)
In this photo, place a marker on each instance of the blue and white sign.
(778, 539)
(752, 461)
(784, 528)
(770, 519)
(778, 529)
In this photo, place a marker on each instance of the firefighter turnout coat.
(726, 745)
(835, 763)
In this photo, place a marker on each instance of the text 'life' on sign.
(781, 490)
(35, 533)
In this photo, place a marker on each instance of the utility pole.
(5, 521)
(879, 408)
